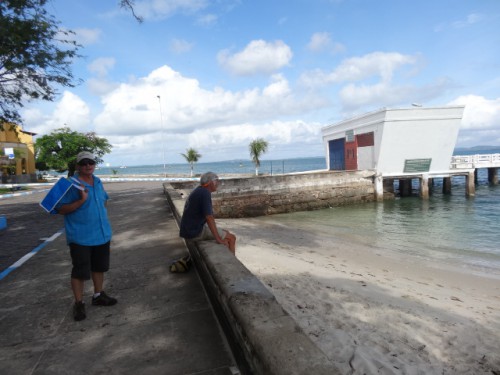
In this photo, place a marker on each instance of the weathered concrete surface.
(267, 195)
(163, 323)
(267, 337)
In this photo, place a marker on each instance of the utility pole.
(162, 137)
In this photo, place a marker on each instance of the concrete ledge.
(264, 337)
(268, 195)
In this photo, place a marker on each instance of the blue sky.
(229, 71)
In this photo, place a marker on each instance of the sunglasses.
(85, 162)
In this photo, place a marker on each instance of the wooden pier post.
(493, 176)
(379, 188)
(470, 186)
(446, 185)
(424, 187)
(405, 187)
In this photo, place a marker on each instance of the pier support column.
(379, 188)
(493, 176)
(405, 187)
(446, 185)
(389, 185)
(431, 186)
(424, 187)
(470, 187)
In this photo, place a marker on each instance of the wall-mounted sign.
(9, 151)
(417, 165)
(349, 136)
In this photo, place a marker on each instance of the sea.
(268, 167)
(455, 229)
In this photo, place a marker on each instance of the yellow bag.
(181, 265)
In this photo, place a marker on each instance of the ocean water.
(452, 229)
(222, 167)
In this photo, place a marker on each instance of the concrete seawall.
(264, 337)
(267, 195)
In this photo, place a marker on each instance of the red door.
(351, 155)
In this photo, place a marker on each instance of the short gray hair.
(208, 177)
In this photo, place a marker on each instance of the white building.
(404, 142)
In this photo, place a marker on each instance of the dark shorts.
(206, 234)
(87, 259)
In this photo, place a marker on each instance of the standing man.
(198, 223)
(88, 233)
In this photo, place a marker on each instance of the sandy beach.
(371, 311)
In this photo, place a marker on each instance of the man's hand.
(84, 194)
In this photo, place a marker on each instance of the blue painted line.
(27, 256)
(12, 195)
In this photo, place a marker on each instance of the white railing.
(475, 161)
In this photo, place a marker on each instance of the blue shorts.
(87, 259)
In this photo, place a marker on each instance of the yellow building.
(17, 155)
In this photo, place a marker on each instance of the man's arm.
(213, 229)
(70, 207)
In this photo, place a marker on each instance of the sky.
(214, 75)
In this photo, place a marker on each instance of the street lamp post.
(162, 137)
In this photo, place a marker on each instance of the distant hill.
(478, 149)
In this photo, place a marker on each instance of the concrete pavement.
(163, 323)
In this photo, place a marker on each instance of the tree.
(257, 147)
(192, 156)
(35, 56)
(129, 4)
(58, 150)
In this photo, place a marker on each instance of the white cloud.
(258, 57)
(368, 82)
(219, 122)
(480, 122)
(133, 108)
(160, 9)
(376, 64)
(470, 20)
(480, 113)
(86, 37)
(70, 111)
(207, 20)
(387, 94)
(279, 134)
(278, 88)
(180, 46)
(321, 42)
(100, 86)
(101, 66)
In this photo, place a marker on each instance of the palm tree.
(191, 157)
(257, 147)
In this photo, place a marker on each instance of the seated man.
(198, 221)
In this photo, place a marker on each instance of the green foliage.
(58, 150)
(35, 56)
(257, 148)
(192, 156)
